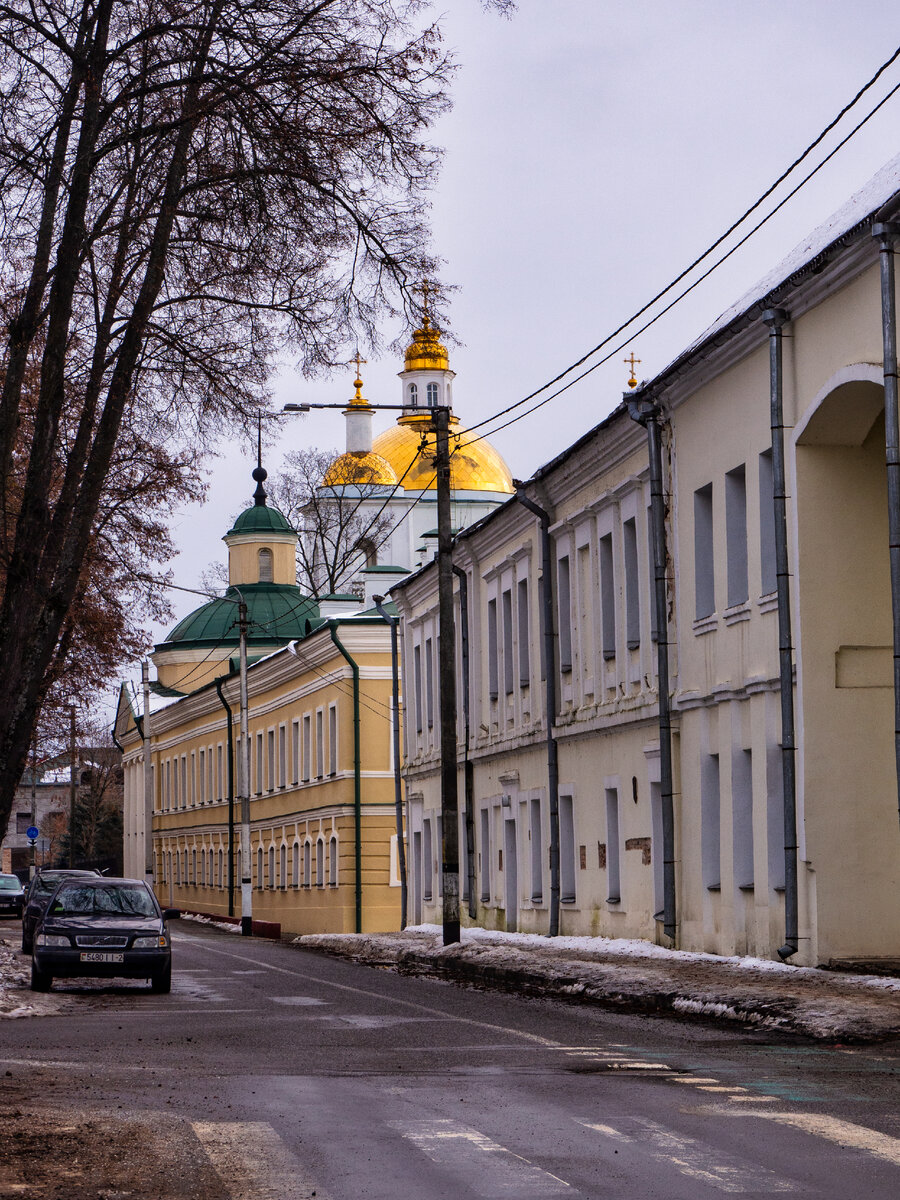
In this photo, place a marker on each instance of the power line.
(706, 253)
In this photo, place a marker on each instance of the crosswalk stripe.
(694, 1159)
(487, 1168)
(253, 1162)
(844, 1133)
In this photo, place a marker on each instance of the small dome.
(277, 613)
(475, 466)
(426, 353)
(360, 468)
(261, 519)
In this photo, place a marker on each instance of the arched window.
(432, 391)
(333, 860)
(369, 548)
(194, 866)
(265, 565)
(295, 865)
(201, 878)
(259, 867)
(413, 396)
(221, 867)
(271, 866)
(307, 863)
(282, 866)
(320, 862)
(184, 862)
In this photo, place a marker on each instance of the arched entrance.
(849, 840)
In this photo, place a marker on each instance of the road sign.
(32, 832)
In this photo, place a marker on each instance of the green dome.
(261, 519)
(277, 613)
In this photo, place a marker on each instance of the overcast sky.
(595, 148)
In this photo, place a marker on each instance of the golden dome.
(475, 466)
(426, 353)
(360, 468)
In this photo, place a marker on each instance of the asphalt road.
(272, 1073)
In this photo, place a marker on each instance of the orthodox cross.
(632, 362)
(427, 289)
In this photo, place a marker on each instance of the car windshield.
(9, 883)
(85, 900)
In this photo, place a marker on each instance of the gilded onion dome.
(475, 466)
(426, 353)
(360, 468)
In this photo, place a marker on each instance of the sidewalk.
(633, 976)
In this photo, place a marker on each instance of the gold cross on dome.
(427, 288)
(632, 362)
(359, 361)
(357, 382)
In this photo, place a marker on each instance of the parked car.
(38, 893)
(11, 895)
(103, 927)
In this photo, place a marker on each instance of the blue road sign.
(32, 832)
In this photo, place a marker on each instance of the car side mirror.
(171, 914)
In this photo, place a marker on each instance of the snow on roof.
(868, 200)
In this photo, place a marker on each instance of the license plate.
(99, 957)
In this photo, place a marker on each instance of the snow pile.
(226, 925)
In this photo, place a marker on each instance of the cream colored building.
(723, 626)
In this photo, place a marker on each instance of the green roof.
(277, 613)
(259, 518)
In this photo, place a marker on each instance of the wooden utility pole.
(148, 776)
(447, 683)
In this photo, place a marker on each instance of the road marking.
(299, 1000)
(694, 1159)
(844, 1133)
(253, 1162)
(488, 1168)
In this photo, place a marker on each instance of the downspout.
(646, 412)
(219, 681)
(550, 701)
(888, 233)
(468, 765)
(393, 622)
(776, 318)
(357, 770)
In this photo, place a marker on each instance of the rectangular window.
(493, 651)
(564, 606)
(742, 817)
(332, 740)
(184, 782)
(567, 849)
(485, 856)
(320, 744)
(202, 768)
(417, 685)
(524, 633)
(768, 566)
(260, 764)
(282, 756)
(710, 821)
(429, 683)
(220, 788)
(307, 747)
(270, 760)
(238, 767)
(210, 775)
(704, 574)
(613, 851)
(295, 751)
(508, 664)
(537, 852)
(607, 598)
(192, 780)
(736, 535)
(168, 783)
(428, 863)
(632, 585)
(775, 815)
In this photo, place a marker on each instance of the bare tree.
(186, 186)
(339, 532)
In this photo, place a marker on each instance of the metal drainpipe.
(645, 411)
(393, 622)
(357, 770)
(550, 705)
(888, 234)
(468, 765)
(219, 681)
(775, 319)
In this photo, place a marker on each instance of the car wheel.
(27, 946)
(162, 980)
(40, 980)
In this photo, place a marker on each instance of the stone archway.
(845, 672)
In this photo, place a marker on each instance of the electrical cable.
(706, 253)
